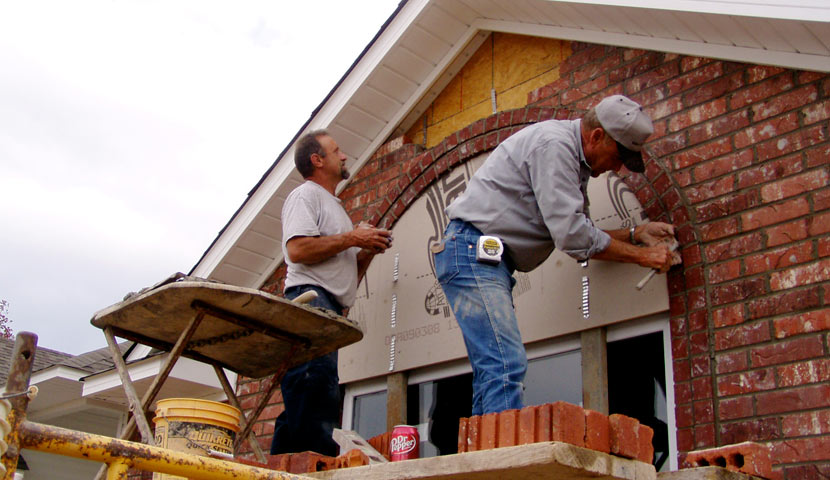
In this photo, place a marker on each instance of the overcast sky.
(131, 131)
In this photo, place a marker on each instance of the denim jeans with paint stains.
(311, 395)
(480, 296)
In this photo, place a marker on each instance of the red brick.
(804, 373)
(793, 142)
(795, 185)
(818, 157)
(819, 224)
(731, 362)
(807, 423)
(763, 131)
(723, 272)
(807, 472)
(722, 165)
(737, 291)
(624, 436)
(684, 416)
(308, 462)
(719, 229)
(788, 351)
(597, 432)
(704, 412)
(727, 205)
(760, 91)
(801, 275)
(474, 433)
(779, 258)
(488, 434)
(742, 335)
(776, 213)
(544, 423)
(698, 343)
(527, 425)
(783, 303)
(750, 458)
(802, 450)
(746, 382)
(806, 322)
(704, 435)
(567, 423)
(731, 315)
(733, 408)
(794, 399)
(645, 436)
(701, 153)
(508, 428)
(279, 462)
(771, 170)
(463, 435)
(782, 103)
(734, 247)
(697, 114)
(752, 429)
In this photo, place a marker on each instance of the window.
(638, 386)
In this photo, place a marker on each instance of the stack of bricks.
(381, 444)
(748, 457)
(558, 422)
(309, 462)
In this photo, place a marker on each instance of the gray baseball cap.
(627, 123)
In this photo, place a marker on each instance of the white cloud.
(131, 131)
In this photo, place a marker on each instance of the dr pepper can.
(403, 444)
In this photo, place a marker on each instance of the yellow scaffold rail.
(122, 454)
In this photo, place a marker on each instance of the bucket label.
(195, 438)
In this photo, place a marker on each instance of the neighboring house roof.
(96, 361)
(424, 44)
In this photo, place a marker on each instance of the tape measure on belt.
(489, 249)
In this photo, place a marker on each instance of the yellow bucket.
(195, 426)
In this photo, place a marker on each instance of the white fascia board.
(138, 352)
(57, 371)
(798, 61)
(185, 368)
(805, 10)
(338, 99)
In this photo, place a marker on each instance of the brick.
(805, 322)
(787, 351)
(462, 435)
(793, 142)
(732, 315)
(760, 91)
(733, 247)
(734, 408)
(567, 423)
(746, 382)
(748, 334)
(807, 423)
(750, 458)
(723, 272)
(770, 171)
(783, 303)
(473, 433)
(801, 275)
(597, 432)
(722, 165)
(738, 290)
(793, 399)
(308, 462)
(782, 103)
(701, 153)
(704, 435)
(762, 131)
(352, 458)
(776, 213)
(779, 258)
(704, 412)
(719, 229)
(645, 436)
(732, 362)
(508, 428)
(752, 429)
(802, 450)
(807, 472)
(818, 224)
(795, 185)
(488, 433)
(279, 462)
(624, 436)
(727, 205)
(527, 425)
(804, 373)
(698, 114)
(684, 416)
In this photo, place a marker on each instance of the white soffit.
(425, 42)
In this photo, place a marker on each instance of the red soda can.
(403, 444)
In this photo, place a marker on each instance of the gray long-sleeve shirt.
(532, 193)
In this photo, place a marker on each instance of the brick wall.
(741, 168)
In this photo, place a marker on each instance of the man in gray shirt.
(531, 195)
(326, 254)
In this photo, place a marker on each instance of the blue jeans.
(311, 395)
(480, 296)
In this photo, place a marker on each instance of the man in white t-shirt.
(325, 253)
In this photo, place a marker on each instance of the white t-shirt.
(310, 211)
